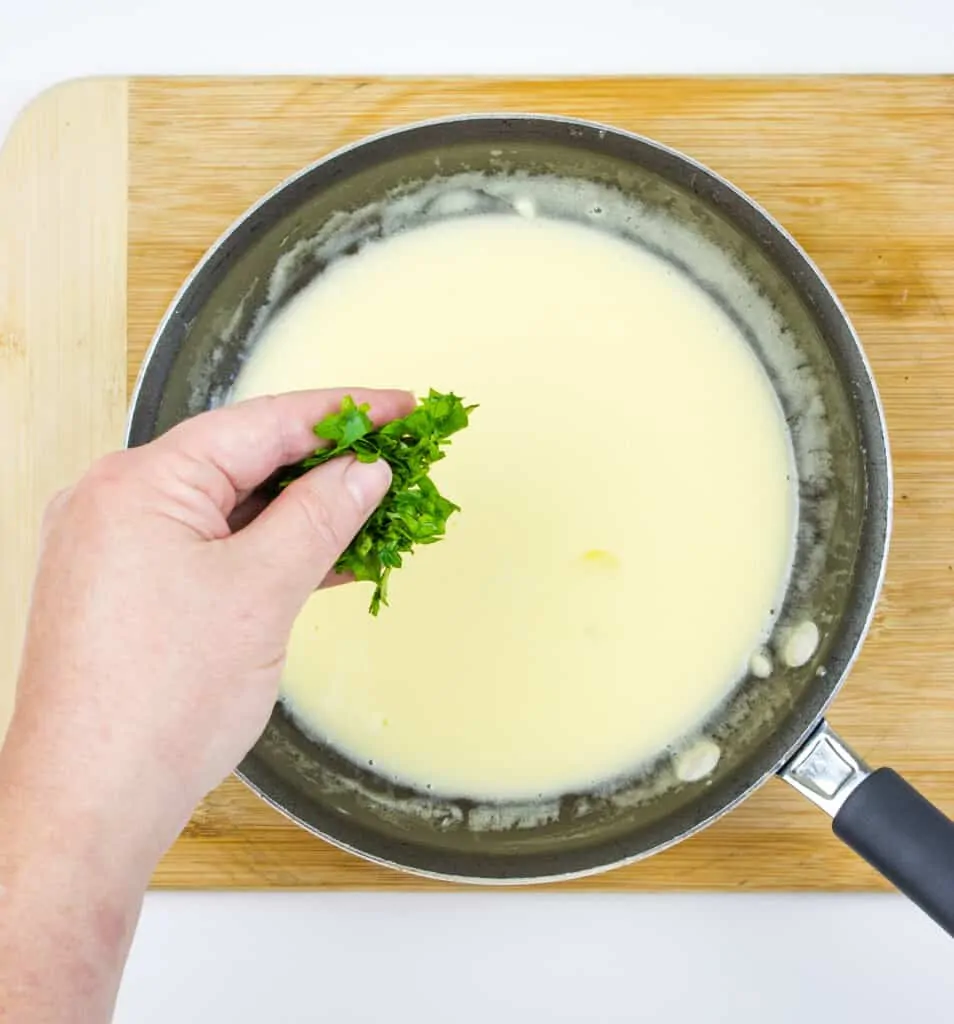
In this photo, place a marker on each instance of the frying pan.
(762, 279)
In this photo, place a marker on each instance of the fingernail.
(368, 482)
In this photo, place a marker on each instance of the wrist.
(71, 898)
(63, 823)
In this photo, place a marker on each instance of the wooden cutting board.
(110, 191)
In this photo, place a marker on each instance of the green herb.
(413, 511)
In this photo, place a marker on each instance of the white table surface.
(281, 957)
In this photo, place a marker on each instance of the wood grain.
(859, 169)
(62, 319)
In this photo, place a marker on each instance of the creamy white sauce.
(628, 508)
(697, 761)
(760, 664)
(799, 644)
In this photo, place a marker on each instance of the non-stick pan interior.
(656, 198)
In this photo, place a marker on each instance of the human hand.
(157, 632)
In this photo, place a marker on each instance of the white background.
(506, 956)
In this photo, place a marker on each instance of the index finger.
(245, 443)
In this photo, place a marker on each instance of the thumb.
(297, 539)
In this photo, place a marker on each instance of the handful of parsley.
(413, 511)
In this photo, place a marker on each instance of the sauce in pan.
(628, 508)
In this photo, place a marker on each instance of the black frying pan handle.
(905, 837)
(881, 817)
